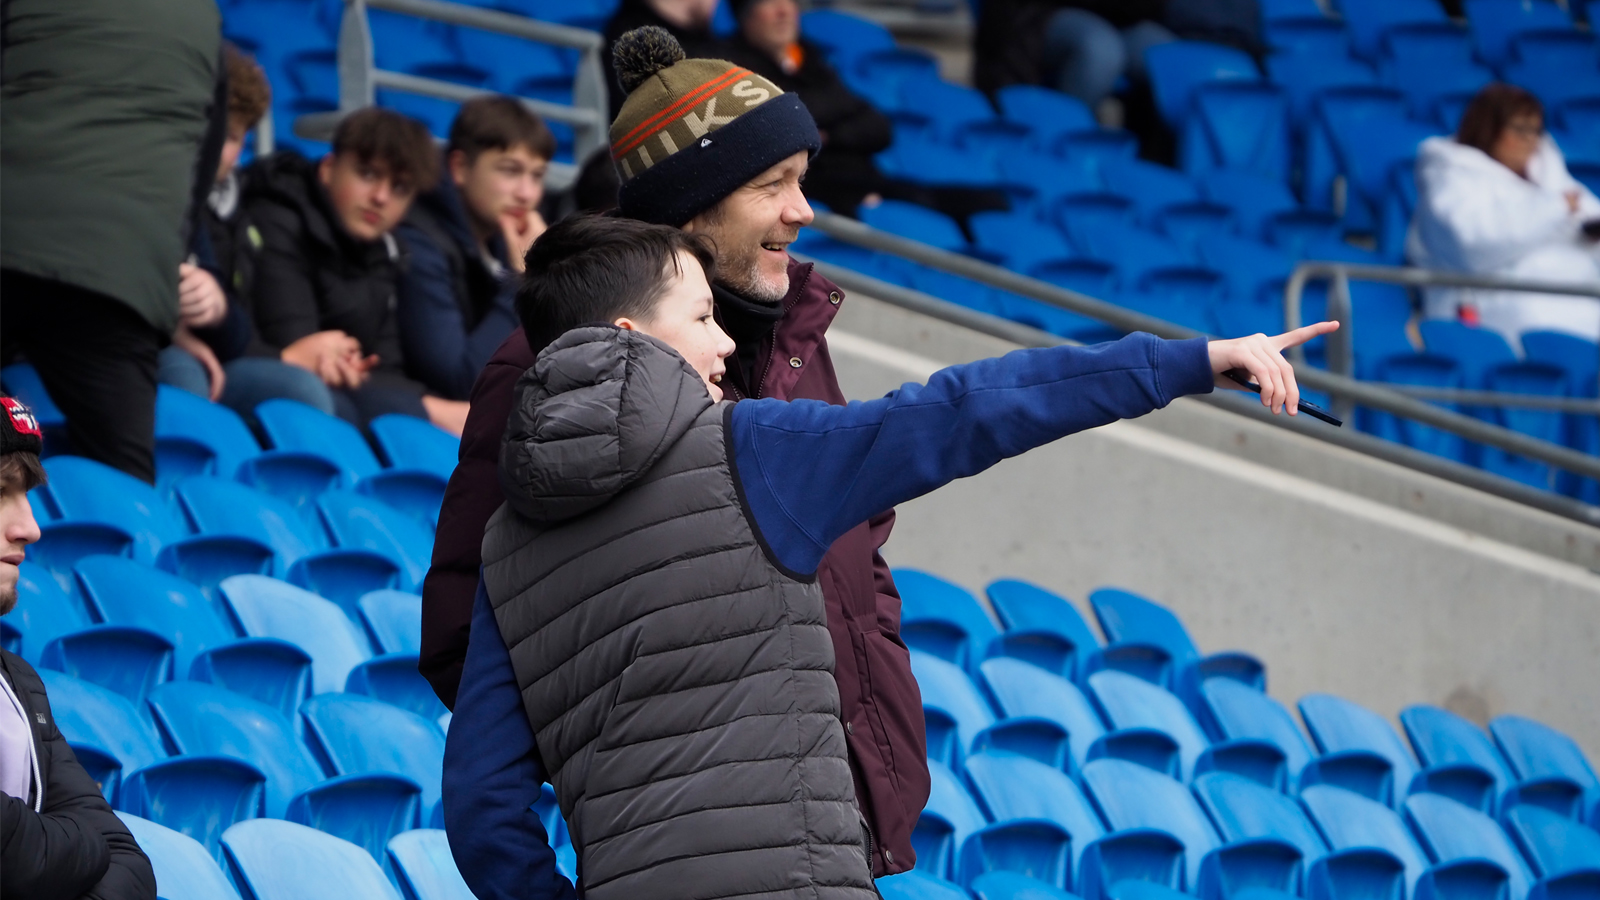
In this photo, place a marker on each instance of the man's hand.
(201, 302)
(185, 340)
(520, 233)
(333, 356)
(1262, 357)
(451, 415)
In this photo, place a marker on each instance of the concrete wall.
(1334, 588)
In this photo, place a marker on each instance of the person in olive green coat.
(104, 108)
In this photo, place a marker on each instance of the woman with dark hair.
(1496, 199)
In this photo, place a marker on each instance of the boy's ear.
(626, 324)
(325, 169)
(456, 162)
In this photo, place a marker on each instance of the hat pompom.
(643, 52)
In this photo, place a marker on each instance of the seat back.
(917, 885)
(408, 442)
(1336, 724)
(1129, 618)
(267, 607)
(1553, 844)
(1152, 188)
(295, 426)
(943, 619)
(948, 818)
(1478, 351)
(917, 223)
(363, 523)
(1018, 689)
(1127, 701)
(124, 592)
(220, 507)
(43, 612)
(1178, 68)
(83, 490)
(1535, 750)
(1241, 809)
(109, 735)
(183, 867)
(1442, 738)
(1450, 831)
(1348, 821)
(180, 414)
(1369, 20)
(325, 867)
(1009, 786)
(844, 36)
(1238, 125)
(1496, 23)
(1427, 370)
(197, 718)
(954, 709)
(1024, 606)
(1574, 354)
(1049, 112)
(355, 735)
(423, 866)
(393, 620)
(1240, 711)
(1129, 795)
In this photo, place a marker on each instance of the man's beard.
(743, 276)
(8, 599)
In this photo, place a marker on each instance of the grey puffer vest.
(679, 684)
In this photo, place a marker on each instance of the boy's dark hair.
(249, 95)
(589, 268)
(1491, 111)
(498, 122)
(401, 144)
(22, 466)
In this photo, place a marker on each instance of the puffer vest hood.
(679, 685)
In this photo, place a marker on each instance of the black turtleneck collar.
(749, 322)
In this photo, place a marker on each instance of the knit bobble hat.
(693, 131)
(19, 432)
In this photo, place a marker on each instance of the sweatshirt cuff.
(1184, 368)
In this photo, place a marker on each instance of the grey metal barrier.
(359, 78)
(1346, 391)
(1340, 349)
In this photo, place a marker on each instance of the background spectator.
(768, 43)
(687, 20)
(1497, 199)
(215, 352)
(325, 279)
(61, 839)
(466, 240)
(104, 107)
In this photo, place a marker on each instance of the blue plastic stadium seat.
(1019, 689)
(1419, 369)
(358, 522)
(948, 107)
(949, 818)
(1152, 188)
(960, 721)
(844, 37)
(393, 678)
(1368, 132)
(1256, 272)
(183, 867)
(299, 550)
(1002, 885)
(1534, 379)
(1138, 254)
(916, 885)
(917, 223)
(878, 74)
(1178, 68)
(1128, 618)
(1306, 78)
(1051, 114)
(325, 867)
(82, 490)
(393, 620)
(1430, 63)
(1350, 822)
(214, 428)
(408, 442)
(1496, 24)
(943, 619)
(354, 735)
(1017, 239)
(268, 608)
(1458, 758)
(108, 734)
(1370, 20)
(204, 719)
(514, 62)
(1337, 725)
(1242, 810)
(1579, 359)
(1237, 125)
(1558, 850)
(1460, 840)
(1041, 627)
(423, 867)
(1550, 767)
(1042, 825)
(44, 611)
(1129, 702)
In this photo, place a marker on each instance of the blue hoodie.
(808, 472)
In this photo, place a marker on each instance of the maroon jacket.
(879, 700)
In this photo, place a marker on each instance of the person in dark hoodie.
(742, 191)
(324, 294)
(650, 628)
(59, 839)
(466, 239)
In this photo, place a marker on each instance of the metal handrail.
(1340, 386)
(359, 78)
(1340, 348)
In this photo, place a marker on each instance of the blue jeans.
(248, 381)
(1088, 55)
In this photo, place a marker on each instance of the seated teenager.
(466, 239)
(650, 635)
(215, 352)
(325, 284)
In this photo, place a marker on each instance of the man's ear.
(325, 170)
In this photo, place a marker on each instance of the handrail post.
(589, 91)
(355, 58)
(1340, 348)
(1291, 309)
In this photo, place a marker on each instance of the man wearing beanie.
(712, 148)
(61, 838)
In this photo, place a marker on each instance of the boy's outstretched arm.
(492, 777)
(810, 471)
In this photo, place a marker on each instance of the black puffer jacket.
(75, 846)
(310, 274)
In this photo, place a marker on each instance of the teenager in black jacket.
(59, 839)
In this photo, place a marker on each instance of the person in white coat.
(1497, 199)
